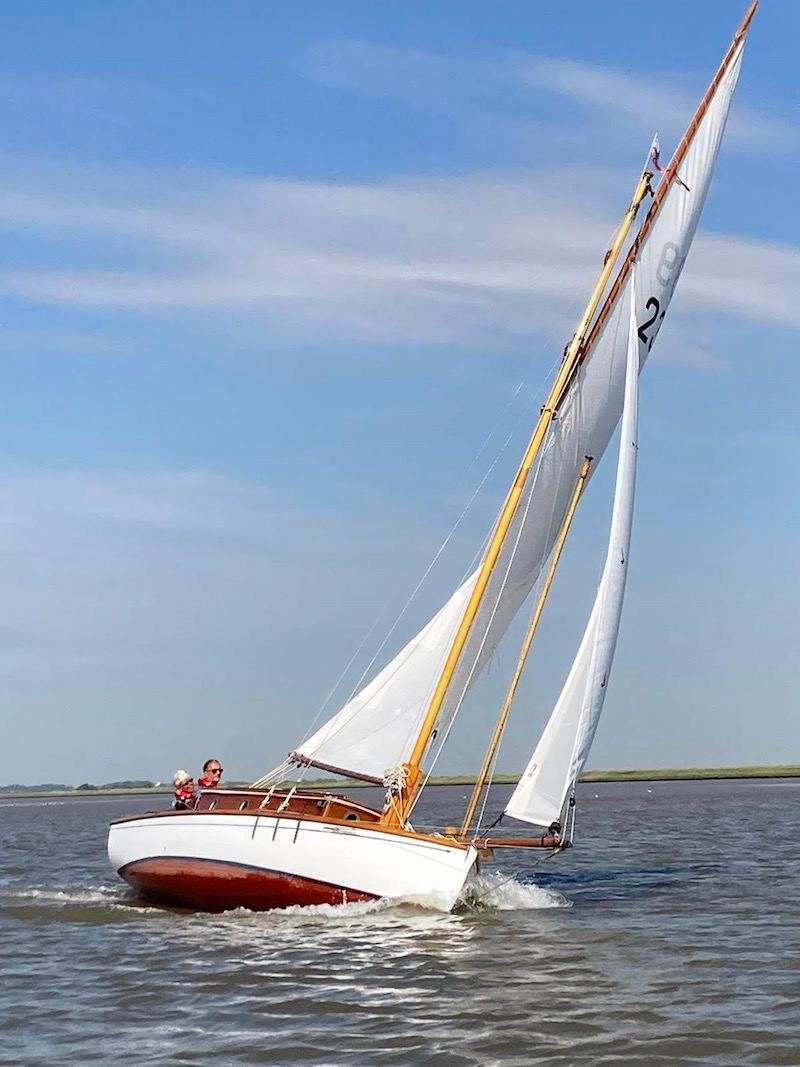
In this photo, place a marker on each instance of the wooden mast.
(399, 813)
(526, 646)
(574, 355)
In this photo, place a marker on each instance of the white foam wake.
(105, 896)
(504, 893)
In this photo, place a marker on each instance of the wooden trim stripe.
(442, 840)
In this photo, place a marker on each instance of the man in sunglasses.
(212, 774)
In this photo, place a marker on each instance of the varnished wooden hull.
(208, 885)
(316, 851)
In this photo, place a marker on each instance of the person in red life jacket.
(184, 791)
(212, 773)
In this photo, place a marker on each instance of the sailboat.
(276, 844)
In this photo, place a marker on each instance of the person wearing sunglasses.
(212, 774)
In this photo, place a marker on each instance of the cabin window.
(212, 805)
(243, 805)
(351, 816)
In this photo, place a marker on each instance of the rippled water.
(669, 935)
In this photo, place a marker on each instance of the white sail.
(561, 753)
(377, 729)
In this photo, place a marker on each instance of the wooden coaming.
(308, 805)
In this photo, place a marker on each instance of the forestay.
(378, 727)
(561, 753)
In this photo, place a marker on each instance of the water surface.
(669, 935)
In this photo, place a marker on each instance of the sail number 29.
(667, 273)
(642, 331)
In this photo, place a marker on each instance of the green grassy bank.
(674, 774)
(786, 770)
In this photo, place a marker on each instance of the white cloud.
(497, 257)
(508, 83)
(418, 78)
(645, 101)
(746, 279)
(473, 259)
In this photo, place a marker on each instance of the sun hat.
(179, 777)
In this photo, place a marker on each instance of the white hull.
(218, 861)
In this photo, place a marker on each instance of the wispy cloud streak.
(646, 102)
(513, 83)
(444, 260)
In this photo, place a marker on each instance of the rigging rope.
(496, 605)
(394, 781)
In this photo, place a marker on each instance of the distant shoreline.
(686, 774)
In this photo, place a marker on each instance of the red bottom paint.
(207, 885)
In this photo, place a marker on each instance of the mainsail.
(561, 752)
(378, 728)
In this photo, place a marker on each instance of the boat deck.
(305, 803)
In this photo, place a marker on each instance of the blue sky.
(272, 274)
